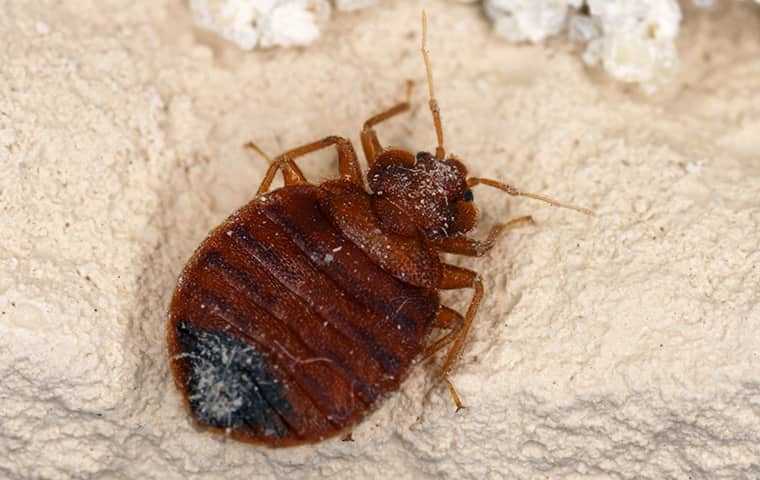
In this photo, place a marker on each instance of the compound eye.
(468, 196)
(422, 156)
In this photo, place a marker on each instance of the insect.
(310, 304)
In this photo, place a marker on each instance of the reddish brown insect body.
(311, 303)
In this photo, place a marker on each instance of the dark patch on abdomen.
(228, 385)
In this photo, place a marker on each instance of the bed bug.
(310, 304)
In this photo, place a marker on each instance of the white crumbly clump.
(251, 23)
(294, 22)
(708, 3)
(234, 20)
(532, 20)
(634, 40)
(266, 23)
(353, 4)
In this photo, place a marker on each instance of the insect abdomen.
(307, 332)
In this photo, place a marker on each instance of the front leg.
(477, 248)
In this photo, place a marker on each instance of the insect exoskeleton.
(311, 303)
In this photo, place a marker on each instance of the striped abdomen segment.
(283, 331)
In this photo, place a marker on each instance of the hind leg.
(453, 321)
(455, 278)
(348, 164)
(450, 320)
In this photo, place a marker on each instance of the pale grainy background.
(624, 346)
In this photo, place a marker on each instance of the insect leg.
(449, 319)
(370, 143)
(291, 174)
(454, 278)
(454, 394)
(348, 165)
(452, 320)
(476, 248)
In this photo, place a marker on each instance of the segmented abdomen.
(283, 331)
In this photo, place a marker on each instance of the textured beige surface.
(624, 346)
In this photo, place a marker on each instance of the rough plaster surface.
(624, 346)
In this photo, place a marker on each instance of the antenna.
(471, 182)
(440, 152)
